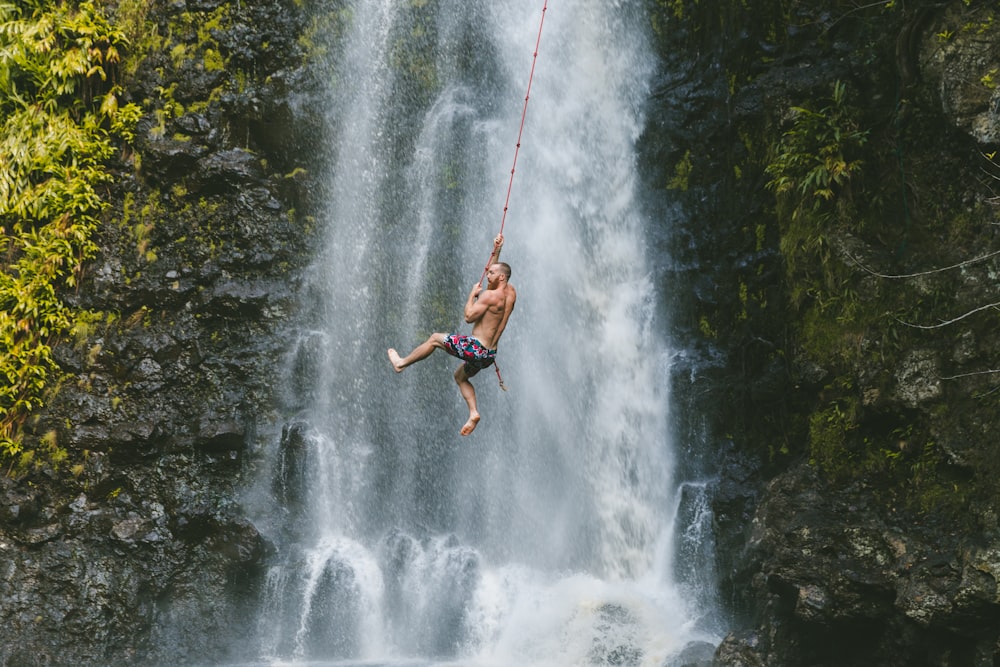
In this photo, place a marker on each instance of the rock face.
(836, 583)
(142, 555)
(826, 556)
(961, 63)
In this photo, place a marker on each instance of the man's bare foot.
(470, 425)
(396, 360)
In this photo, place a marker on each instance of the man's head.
(500, 269)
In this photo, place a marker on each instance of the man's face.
(493, 275)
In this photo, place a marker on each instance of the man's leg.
(420, 352)
(469, 394)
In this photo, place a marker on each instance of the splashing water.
(548, 536)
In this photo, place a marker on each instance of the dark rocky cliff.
(856, 503)
(144, 557)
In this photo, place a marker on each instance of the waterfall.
(551, 535)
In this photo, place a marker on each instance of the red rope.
(517, 150)
(520, 131)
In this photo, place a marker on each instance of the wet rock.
(195, 124)
(960, 56)
(918, 379)
(740, 650)
(695, 654)
(169, 159)
(834, 584)
(289, 484)
(226, 169)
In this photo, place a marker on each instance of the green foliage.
(815, 158)
(59, 104)
(682, 173)
(990, 79)
(198, 47)
(325, 29)
(812, 167)
(705, 328)
(828, 436)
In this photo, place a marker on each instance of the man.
(488, 311)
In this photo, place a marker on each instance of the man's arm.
(475, 307)
(497, 245)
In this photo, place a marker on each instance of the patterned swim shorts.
(469, 350)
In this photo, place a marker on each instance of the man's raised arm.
(497, 245)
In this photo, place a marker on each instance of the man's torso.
(488, 328)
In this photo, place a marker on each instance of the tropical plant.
(816, 156)
(60, 111)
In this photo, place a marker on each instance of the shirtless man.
(488, 311)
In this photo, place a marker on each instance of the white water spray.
(546, 537)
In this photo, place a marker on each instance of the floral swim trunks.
(469, 350)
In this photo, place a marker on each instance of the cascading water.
(548, 536)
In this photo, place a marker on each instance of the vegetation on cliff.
(862, 284)
(854, 188)
(134, 550)
(854, 304)
(59, 98)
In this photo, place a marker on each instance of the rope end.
(499, 377)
